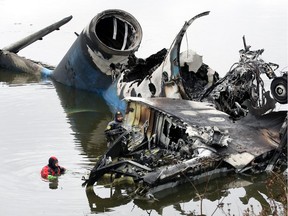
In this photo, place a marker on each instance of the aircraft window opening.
(175, 132)
(166, 128)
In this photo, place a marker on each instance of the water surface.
(40, 118)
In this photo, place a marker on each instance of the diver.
(114, 128)
(52, 170)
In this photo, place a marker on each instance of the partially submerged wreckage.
(166, 142)
(183, 122)
(102, 59)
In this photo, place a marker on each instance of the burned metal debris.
(169, 141)
(242, 89)
(102, 59)
(223, 125)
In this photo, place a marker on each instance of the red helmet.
(52, 161)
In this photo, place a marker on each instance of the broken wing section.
(11, 61)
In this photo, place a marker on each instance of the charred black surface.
(195, 82)
(138, 68)
(171, 141)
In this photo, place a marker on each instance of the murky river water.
(40, 118)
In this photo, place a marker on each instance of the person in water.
(116, 123)
(114, 129)
(52, 170)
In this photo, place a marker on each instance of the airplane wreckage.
(183, 123)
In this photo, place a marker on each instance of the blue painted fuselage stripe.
(77, 70)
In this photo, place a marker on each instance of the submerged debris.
(167, 142)
(185, 123)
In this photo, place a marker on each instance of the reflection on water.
(98, 204)
(40, 118)
(222, 196)
(16, 78)
(88, 116)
